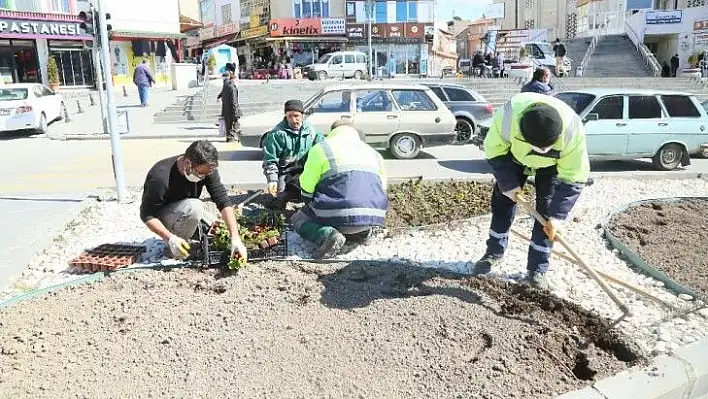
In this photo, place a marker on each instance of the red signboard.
(295, 27)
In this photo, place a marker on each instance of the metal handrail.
(650, 60)
(205, 91)
(588, 54)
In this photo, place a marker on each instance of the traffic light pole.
(95, 53)
(111, 103)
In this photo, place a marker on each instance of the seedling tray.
(108, 257)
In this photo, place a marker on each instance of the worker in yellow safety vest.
(344, 189)
(534, 134)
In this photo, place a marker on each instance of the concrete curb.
(128, 136)
(682, 374)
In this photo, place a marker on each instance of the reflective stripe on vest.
(336, 169)
(571, 129)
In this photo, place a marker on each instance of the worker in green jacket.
(534, 134)
(285, 151)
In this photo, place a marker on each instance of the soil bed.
(303, 330)
(670, 236)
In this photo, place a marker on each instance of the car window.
(680, 107)
(577, 101)
(413, 100)
(610, 108)
(337, 59)
(47, 91)
(439, 92)
(13, 94)
(458, 94)
(333, 102)
(360, 59)
(349, 58)
(373, 101)
(644, 107)
(37, 91)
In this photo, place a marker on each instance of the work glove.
(237, 246)
(272, 188)
(552, 228)
(178, 247)
(511, 194)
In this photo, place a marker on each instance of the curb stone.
(128, 136)
(682, 374)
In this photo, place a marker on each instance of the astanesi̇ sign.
(40, 28)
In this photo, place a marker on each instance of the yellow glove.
(178, 247)
(552, 228)
(272, 188)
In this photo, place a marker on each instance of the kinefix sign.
(306, 27)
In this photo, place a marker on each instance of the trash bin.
(380, 72)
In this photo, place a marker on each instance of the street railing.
(205, 92)
(588, 54)
(650, 60)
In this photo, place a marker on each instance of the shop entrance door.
(18, 61)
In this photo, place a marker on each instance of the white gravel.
(452, 248)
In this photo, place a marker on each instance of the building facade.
(32, 32)
(470, 39)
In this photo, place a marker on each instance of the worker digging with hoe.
(344, 189)
(171, 207)
(540, 135)
(285, 150)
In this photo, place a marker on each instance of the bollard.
(92, 102)
(267, 78)
(125, 92)
(66, 114)
(79, 110)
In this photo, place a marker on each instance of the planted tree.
(53, 72)
(211, 63)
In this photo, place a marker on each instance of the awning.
(335, 39)
(186, 24)
(211, 43)
(118, 34)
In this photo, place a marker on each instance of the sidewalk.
(29, 225)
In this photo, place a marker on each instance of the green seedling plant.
(257, 232)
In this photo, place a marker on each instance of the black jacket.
(229, 101)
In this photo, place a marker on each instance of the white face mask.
(541, 150)
(192, 178)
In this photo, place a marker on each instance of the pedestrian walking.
(559, 51)
(171, 207)
(534, 134)
(344, 189)
(230, 110)
(674, 65)
(144, 80)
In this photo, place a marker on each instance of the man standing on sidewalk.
(143, 79)
(559, 51)
(171, 207)
(230, 110)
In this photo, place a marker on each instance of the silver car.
(400, 118)
(471, 110)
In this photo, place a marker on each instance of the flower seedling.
(237, 262)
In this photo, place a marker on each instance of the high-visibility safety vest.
(345, 180)
(504, 136)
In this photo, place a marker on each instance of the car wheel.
(668, 157)
(42, 127)
(358, 75)
(62, 112)
(464, 129)
(322, 75)
(405, 146)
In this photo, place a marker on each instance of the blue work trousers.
(504, 211)
(143, 94)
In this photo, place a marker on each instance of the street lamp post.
(370, 16)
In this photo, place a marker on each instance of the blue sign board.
(664, 17)
(640, 4)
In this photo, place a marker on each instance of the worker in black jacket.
(171, 207)
(230, 110)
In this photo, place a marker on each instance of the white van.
(339, 64)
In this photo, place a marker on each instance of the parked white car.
(401, 118)
(29, 106)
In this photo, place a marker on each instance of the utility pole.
(370, 17)
(111, 102)
(99, 84)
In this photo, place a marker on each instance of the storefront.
(130, 48)
(399, 48)
(249, 42)
(27, 40)
(303, 41)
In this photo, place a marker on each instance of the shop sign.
(664, 17)
(396, 32)
(307, 27)
(40, 28)
(355, 31)
(254, 32)
(414, 31)
(227, 29)
(701, 38)
(700, 25)
(207, 33)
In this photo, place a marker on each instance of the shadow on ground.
(467, 165)
(242, 154)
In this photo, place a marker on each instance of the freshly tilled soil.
(303, 330)
(670, 236)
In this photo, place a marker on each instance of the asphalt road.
(36, 165)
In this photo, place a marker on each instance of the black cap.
(294, 105)
(541, 125)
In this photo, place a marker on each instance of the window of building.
(644, 107)
(610, 108)
(4, 4)
(226, 14)
(206, 11)
(316, 9)
(28, 5)
(306, 9)
(381, 12)
(351, 9)
(75, 64)
(413, 100)
(413, 11)
(401, 11)
(311, 8)
(680, 107)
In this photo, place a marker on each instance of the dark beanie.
(541, 125)
(294, 105)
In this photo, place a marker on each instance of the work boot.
(537, 280)
(484, 265)
(331, 245)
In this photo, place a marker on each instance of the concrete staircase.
(255, 98)
(616, 56)
(575, 50)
